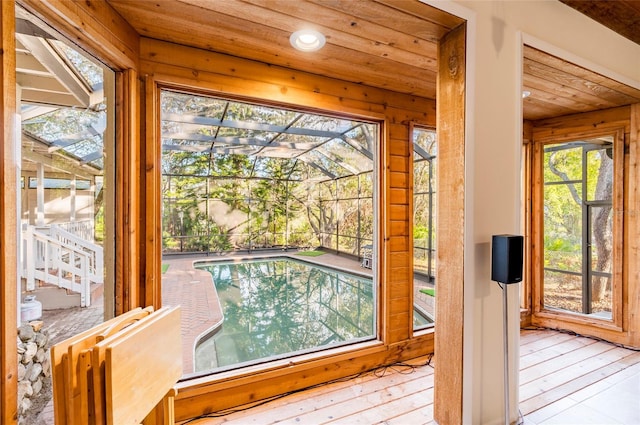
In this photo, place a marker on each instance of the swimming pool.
(276, 307)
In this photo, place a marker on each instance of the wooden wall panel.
(572, 126)
(450, 244)
(399, 178)
(180, 67)
(8, 220)
(398, 211)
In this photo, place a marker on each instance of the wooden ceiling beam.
(48, 98)
(47, 84)
(27, 64)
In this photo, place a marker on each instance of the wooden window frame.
(103, 33)
(622, 124)
(155, 87)
(396, 341)
(555, 318)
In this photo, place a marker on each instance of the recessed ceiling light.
(307, 40)
(525, 94)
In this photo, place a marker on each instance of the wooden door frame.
(449, 344)
(8, 221)
(100, 31)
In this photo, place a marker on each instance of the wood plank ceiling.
(559, 88)
(386, 44)
(622, 16)
(391, 44)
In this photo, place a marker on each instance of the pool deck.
(194, 291)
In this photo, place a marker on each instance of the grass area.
(165, 267)
(429, 291)
(310, 253)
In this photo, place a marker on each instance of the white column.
(72, 199)
(40, 195)
(19, 212)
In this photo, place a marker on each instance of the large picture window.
(65, 198)
(66, 219)
(290, 197)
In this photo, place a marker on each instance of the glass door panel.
(601, 237)
(578, 226)
(425, 150)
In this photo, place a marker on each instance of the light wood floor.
(564, 379)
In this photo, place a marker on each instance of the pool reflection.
(280, 306)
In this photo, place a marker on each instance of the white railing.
(54, 262)
(96, 261)
(54, 255)
(82, 229)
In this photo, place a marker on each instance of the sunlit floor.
(564, 379)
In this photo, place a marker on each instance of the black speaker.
(506, 258)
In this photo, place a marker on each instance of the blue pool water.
(279, 306)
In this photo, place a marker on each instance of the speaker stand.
(505, 327)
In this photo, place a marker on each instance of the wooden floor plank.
(571, 373)
(549, 410)
(547, 354)
(299, 404)
(561, 389)
(544, 342)
(364, 402)
(418, 416)
(558, 363)
(383, 412)
(610, 381)
(529, 336)
(558, 372)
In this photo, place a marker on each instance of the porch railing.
(82, 229)
(55, 256)
(57, 263)
(96, 258)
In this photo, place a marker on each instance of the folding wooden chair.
(66, 371)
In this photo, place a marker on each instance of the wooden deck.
(564, 379)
